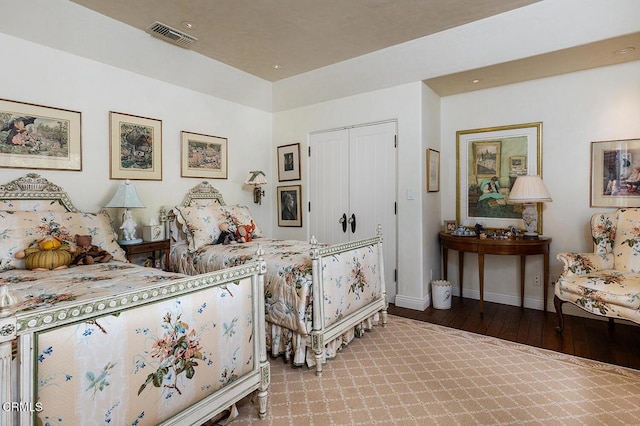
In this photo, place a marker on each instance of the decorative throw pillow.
(233, 216)
(21, 229)
(200, 224)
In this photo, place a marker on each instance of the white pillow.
(18, 230)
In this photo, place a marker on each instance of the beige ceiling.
(299, 35)
(303, 35)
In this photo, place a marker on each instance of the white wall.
(575, 109)
(431, 201)
(64, 25)
(49, 77)
(404, 104)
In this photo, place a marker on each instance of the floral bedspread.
(43, 289)
(288, 283)
(142, 365)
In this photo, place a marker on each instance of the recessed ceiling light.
(188, 24)
(624, 51)
(475, 81)
(276, 66)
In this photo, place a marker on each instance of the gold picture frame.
(136, 147)
(614, 182)
(486, 153)
(203, 156)
(39, 137)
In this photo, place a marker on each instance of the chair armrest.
(584, 263)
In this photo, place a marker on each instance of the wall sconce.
(256, 179)
(127, 198)
(529, 190)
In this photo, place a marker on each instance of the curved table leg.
(523, 262)
(461, 269)
(481, 278)
(557, 303)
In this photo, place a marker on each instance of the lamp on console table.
(127, 198)
(529, 190)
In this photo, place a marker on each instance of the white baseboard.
(505, 299)
(413, 302)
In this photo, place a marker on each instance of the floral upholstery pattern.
(288, 287)
(201, 223)
(19, 229)
(607, 281)
(139, 366)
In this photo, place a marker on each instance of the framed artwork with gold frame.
(485, 159)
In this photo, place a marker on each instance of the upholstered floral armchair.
(607, 281)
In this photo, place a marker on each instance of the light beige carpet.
(412, 372)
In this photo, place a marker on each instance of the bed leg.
(557, 303)
(263, 389)
(317, 344)
(6, 394)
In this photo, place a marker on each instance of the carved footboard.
(175, 352)
(348, 288)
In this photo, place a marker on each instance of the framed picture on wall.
(39, 137)
(290, 206)
(615, 173)
(489, 161)
(433, 170)
(289, 162)
(136, 147)
(203, 156)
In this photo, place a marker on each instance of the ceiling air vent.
(166, 33)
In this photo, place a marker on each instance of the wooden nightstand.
(148, 247)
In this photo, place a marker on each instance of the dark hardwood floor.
(584, 337)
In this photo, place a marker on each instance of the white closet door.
(372, 179)
(373, 190)
(352, 174)
(329, 185)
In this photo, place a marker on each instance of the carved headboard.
(203, 194)
(32, 192)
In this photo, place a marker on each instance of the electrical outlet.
(536, 280)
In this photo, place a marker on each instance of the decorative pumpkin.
(48, 260)
(46, 254)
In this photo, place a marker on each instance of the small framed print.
(136, 147)
(289, 162)
(433, 170)
(203, 156)
(449, 226)
(290, 206)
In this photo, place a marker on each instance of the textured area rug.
(412, 372)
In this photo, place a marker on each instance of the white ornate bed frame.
(321, 333)
(20, 329)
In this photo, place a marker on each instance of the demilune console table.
(517, 247)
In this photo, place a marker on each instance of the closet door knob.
(343, 221)
(352, 221)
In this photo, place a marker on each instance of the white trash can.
(441, 294)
